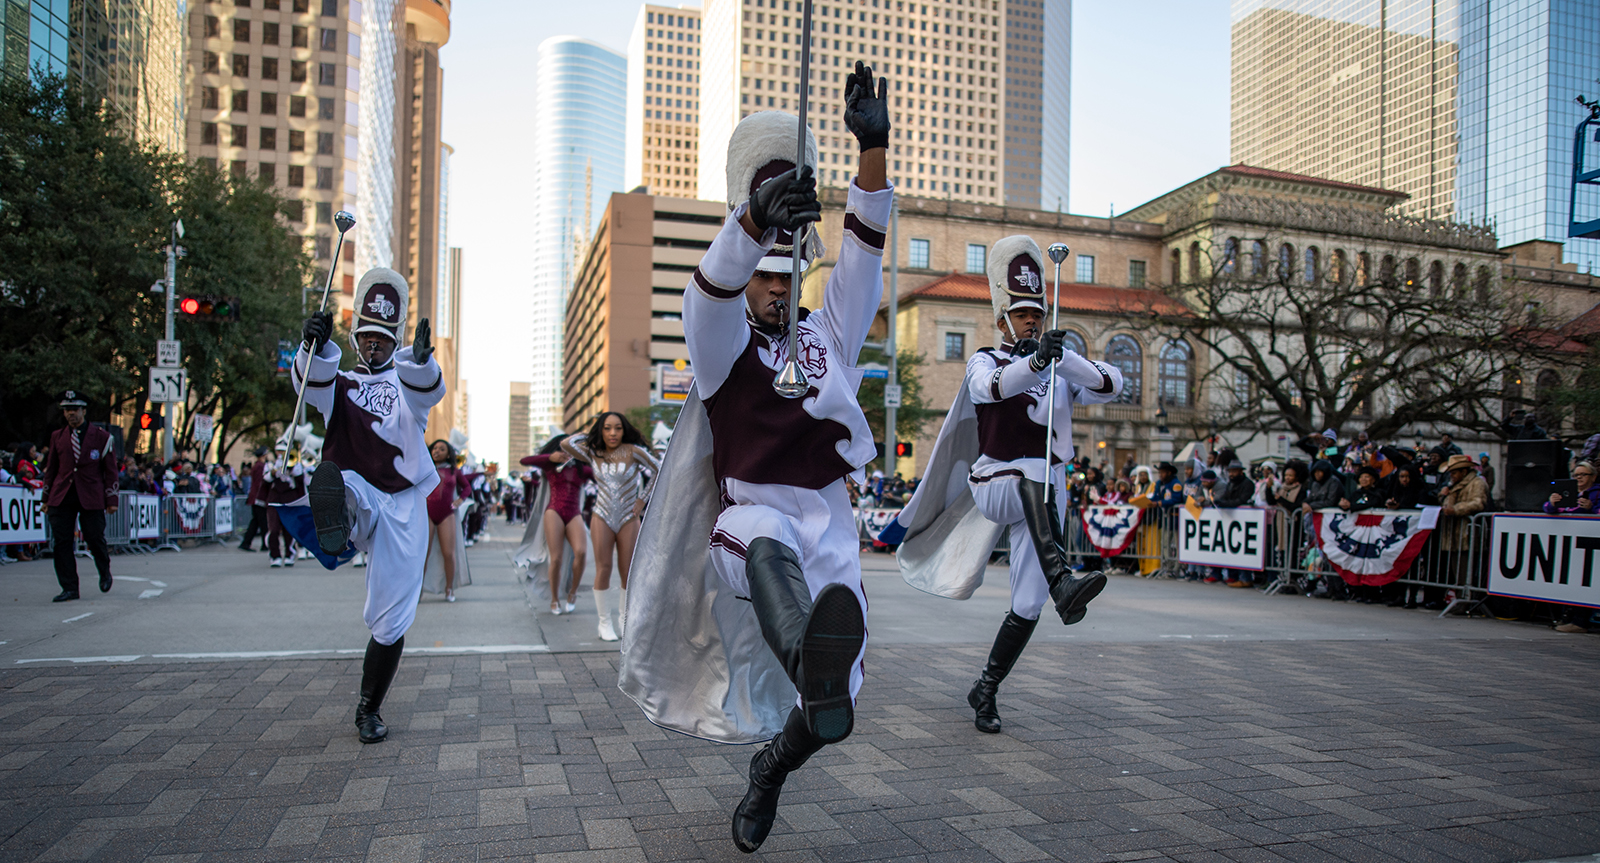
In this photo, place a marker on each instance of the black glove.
(866, 115)
(1049, 350)
(316, 330)
(1024, 347)
(786, 201)
(421, 344)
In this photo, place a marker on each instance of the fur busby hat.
(1016, 275)
(762, 147)
(381, 301)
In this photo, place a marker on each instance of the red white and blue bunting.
(1374, 547)
(1110, 529)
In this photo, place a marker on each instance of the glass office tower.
(34, 34)
(580, 100)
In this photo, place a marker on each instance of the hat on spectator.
(1457, 462)
(1209, 474)
(1483, 455)
(1235, 465)
(1167, 466)
(71, 399)
(1016, 275)
(1330, 434)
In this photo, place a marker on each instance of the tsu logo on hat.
(71, 399)
(1016, 275)
(382, 298)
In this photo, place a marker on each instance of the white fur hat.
(1016, 274)
(382, 298)
(761, 147)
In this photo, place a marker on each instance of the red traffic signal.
(150, 421)
(902, 449)
(210, 308)
(189, 306)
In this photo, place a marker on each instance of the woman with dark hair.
(562, 518)
(620, 458)
(444, 530)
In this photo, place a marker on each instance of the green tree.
(913, 416)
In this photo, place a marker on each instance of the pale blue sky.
(1149, 113)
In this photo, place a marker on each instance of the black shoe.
(105, 582)
(66, 596)
(377, 672)
(816, 642)
(328, 508)
(1072, 594)
(1008, 643)
(753, 817)
(246, 547)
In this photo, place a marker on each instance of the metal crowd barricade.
(1152, 550)
(186, 516)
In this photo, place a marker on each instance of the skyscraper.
(663, 153)
(580, 100)
(974, 121)
(34, 34)
(301, 93)
(1465, 105)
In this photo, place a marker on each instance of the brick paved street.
(1469, 750)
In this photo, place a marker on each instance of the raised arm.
(422, 383)
(988, 381)
(714, 306)
(577, 446)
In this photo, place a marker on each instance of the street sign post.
(204, 427)
(169, 353)
(168, 385)
(891, 395)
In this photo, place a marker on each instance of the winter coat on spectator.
(1469, 496)
(1367, 498)
(1169, 493)
(1411, 495)
(1288, 496)
(1327, 491)
(1234, 492)
(1591, 494)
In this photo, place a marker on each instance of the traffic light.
(208, 307)
(902, 449)
(151, 422)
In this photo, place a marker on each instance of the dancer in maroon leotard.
(453, 486)
(565, 477)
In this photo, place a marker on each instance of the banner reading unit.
(1232, 538)
(1546, 558)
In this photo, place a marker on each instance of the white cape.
(692, 654)
(945, 542)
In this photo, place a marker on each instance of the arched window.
(1544, 391)
(1340, 269)
(1124, 353)
(1413, 274)
(1386, 272)
(1258, 258)
(1072, 341)
(1194, 262)
(1176, 378)
(1230, 255)
(1313, 269)
(1175, 271)
(1436, 279)
(1458, 281)
(1480, 285)
(1363, 268)
(1285, 271)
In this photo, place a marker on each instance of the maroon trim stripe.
(996, 475)
(711, 289)
(864, 232)
(722, 539)
(994, 385)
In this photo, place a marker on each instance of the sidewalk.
(1461, 750)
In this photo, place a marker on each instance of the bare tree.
(1368, 339)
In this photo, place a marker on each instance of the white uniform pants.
(817, 524)
(995, 489)
(393, 530)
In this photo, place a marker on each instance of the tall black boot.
(377, 672)
(1071, 593)
(1008, 643)
(817, 641)
(752, 820)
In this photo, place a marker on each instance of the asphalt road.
(215, 602)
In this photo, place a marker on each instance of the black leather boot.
(752, 819)
(1008, 643)
(1071, 593)
(328, 511)
(817, 641)
(377, 672)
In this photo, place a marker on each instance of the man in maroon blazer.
(80, 478)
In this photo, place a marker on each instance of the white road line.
(465, 650)
(79, 617)
(154, 583)
(150, 594)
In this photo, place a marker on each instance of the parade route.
(1180, 722)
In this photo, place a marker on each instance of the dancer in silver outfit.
(620, 458)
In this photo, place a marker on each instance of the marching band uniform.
(783, 547)
(371, 488)
(286, 485)
(80, 481)
(998, 426)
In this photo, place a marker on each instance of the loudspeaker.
(1530, 466)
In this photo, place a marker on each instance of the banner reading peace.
(1373, 547)
(1110, 529)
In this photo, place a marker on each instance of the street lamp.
(1161, 416)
